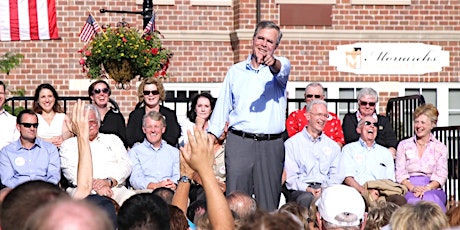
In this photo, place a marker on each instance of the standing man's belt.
(256, 136)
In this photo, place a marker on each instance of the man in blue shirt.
(253, 100)
(312, 158)
(29, 158)
(155, 162)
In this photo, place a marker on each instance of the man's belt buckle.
(259, 137)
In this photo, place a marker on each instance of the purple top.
(433, 162)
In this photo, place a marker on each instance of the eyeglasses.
(364, 103)
(325, 115)
(148, 92)
(28, 125)
(313, 95)
(98, 91)
(376, 124)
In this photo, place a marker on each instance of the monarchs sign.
(389, 58)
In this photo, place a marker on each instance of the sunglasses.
(364, 103)
(313, 95)
(28, 125)
(98, 91)
(376, 124)
(148, 92)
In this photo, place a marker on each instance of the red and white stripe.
(28, 20)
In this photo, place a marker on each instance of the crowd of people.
(226, 165)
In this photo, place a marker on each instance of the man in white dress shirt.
(111, 163)
(7, 121)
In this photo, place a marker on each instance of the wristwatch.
(110, 181)
(184, 179)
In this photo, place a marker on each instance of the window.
(454, 107)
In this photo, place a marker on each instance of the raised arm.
(201, 158)
(85, 164)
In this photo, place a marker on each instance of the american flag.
(28, 20)
(150, 26)
(89, 29)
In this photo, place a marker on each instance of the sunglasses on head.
(364, 103)
(148, 92)
(313, 95)
(376, 124)
(28, 125)
(98, 91)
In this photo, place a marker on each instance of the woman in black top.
(151, 93)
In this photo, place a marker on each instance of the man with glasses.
(111, 163)
(297, 120)
(311, 157)
(367, 102)
(7, 121)
(29, 158)
(365, 160)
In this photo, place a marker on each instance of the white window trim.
(380, 2)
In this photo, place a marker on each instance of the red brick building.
(207, 36)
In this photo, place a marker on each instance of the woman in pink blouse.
(421, 161)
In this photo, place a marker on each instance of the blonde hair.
(429, 110)
(421, 216)
(147, 81)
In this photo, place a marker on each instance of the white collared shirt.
(9, 131)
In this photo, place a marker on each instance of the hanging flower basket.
(125, 53)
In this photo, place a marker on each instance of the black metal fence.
(400, 110)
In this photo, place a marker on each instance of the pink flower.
(88, 53)
(124, 39)
(82, 61)
(154, 51)
(80, 51)
(147, 38)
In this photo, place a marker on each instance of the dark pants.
(255, 167)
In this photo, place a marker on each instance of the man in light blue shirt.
(365, 160)
(155, 163)
(29, 158)
(311, 157)
(253, 100)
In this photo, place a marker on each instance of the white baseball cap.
(341, 205)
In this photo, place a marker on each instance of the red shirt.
(297, 121)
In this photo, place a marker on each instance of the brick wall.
(198, 59)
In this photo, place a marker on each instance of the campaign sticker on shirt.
(359, 157)
(222, 170)
(380, 127)
(410, 153)
(20, 161)
(327, 151)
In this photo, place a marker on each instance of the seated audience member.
(298, 210)
(177, 218)
(29, 158)
(297, 120)
(198, 155)
(453, 215)
(166, 194)
(365, 161)
(273, 221)
(155, 162)
(311, 157)
(198, 115)
(51, 118)
(24, 200)
(69, 214)
(341, 207)
(112, 121)
(242, 204)
(367, 101)
(151, 93)
(144, 211)
(9, 132)
(423, 215)
(379, 215)
(421, 160)
(111, 164)
(196, 209)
